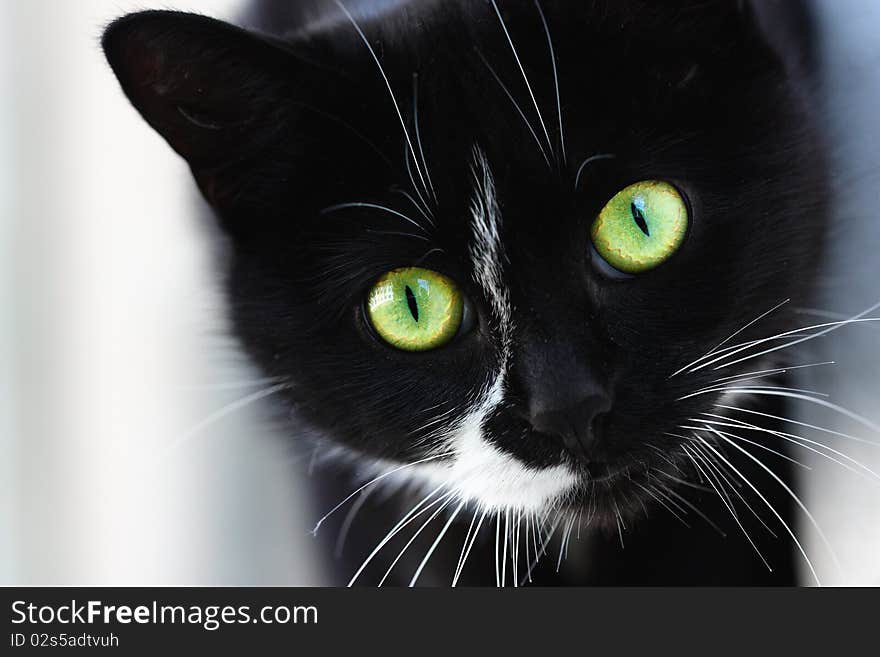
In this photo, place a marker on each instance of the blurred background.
(118, 463)
(128, 451)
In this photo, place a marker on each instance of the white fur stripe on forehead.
(487, 252)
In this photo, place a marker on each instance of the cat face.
(486, 242)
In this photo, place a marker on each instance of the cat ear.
(212, 90)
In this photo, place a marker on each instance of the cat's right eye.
(415, 309)
(641, 227)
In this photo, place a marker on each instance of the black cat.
(526, 262)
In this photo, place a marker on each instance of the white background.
(111, 324)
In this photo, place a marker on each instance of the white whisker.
(436, 542)
(801, 424)
(419, 134)
(748, 376)
(709, 389)
(785, 457)
(544, 543)
(417, 205)
(374, 206)
(653, 495)
(232, 385)
(504, 551)
(555, 78)
(407, 160)
(827, 327)
(466, 552)
(588, 161)
(411, 515)
(710, 475)
(497, 562)
(733, 514)
(523, 71)
(516, 106)
(814, 400)
(216, 416)
(566, 532)
(715, 349)
(373, 481)
(516, 549)
(375, 57)
(446, 500)
(690, 505)
(800, 441)
(349, 519)
(770, 506)
(734, 486)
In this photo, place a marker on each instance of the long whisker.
(827, 327)
(374, 206)
(523, 71)
(375, 57)
(497, 562)
(679, 480)
(565, 534)
(416, 204)
(734, 486)
(708, 389)
(375, 480)
(785, 487)
(466, 552)
(411, 515)
(407, 161)
(543, 546)
(733, 514)
(800, 441)
(434, 545)
(588, 161)
(826, 314)
(218, 415)
(799, 423)
(504, 551)
(690, 505)
(662, 490)
(349, 519)
(516, 106)
(748, 376)
(467, 538)
(714, 349)
(516, 548)
(526, 547)
(710, 476)
(555, 78)
(419, 134)
(446, 499)
(399, 234)
(233, 385)
(814, 400)
(785, 457)
(653, 495)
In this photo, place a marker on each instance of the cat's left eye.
(641, 227)
(415, 309)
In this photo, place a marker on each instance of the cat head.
(487, 239)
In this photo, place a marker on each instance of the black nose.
(574, 421)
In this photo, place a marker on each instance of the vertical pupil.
(412, 303)
(639, 218)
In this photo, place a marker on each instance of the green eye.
(641, 227)
(415, 309)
